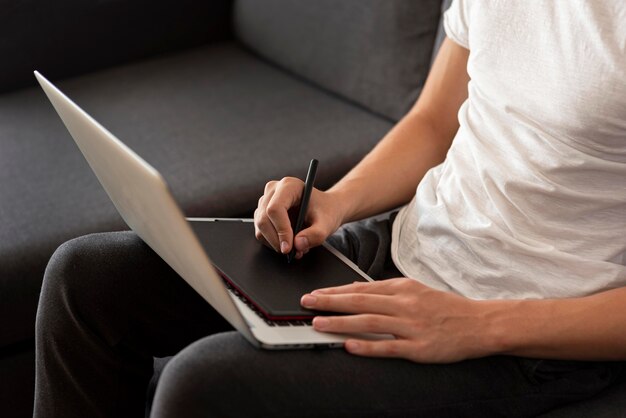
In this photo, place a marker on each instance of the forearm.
(388, 176)
(587, 328)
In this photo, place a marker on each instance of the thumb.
(310, 237)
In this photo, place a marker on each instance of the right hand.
(272, 225)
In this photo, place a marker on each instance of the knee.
(202, 380)
(53, 308)
(67, 268)
(64, 266)
(62, 270)
(75, 277)
(74, 264)
(84, 262)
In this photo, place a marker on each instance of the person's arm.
(388, 176)
(585, 328)
(432, 326)
(420, 141)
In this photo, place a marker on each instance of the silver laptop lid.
(145, 203)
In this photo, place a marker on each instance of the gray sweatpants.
(109, 305)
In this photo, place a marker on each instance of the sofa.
(220, 96)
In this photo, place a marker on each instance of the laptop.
(144, 201)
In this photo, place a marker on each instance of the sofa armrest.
(70, 37)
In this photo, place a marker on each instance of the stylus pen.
(304, 204)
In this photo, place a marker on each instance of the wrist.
(344, 203)
(499, 323)
(518, 327)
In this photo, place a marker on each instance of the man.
(512, 252)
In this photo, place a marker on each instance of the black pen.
(304, 204)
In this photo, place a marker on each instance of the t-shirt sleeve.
(456, 22)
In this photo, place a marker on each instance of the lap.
(223, 375)
(124, 291)
(121, 287)
(368, 244)
(130, 294)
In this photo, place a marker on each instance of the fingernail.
(308, 301)
(284, 246)
(352, 346)
(302, 243)
(320, 323)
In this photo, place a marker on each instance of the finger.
(302, 243)
(272, 244)
(264, 229)
(262, 238)
(263, 241)
(311, 237)
(371, 323)
(351, 303)
(263, 200)
(257, 232)
(287, 195)
(381, 348)
(382, 287)
(270, 186)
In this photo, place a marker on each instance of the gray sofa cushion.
(216, 121)
(374, 52)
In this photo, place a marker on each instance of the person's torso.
(531, 200)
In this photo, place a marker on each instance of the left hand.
(430, 326)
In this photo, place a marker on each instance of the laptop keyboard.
(272, 323)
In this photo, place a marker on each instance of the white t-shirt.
(531, 199)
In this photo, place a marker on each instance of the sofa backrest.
(71, 37)
(375, 53)
(441, 34)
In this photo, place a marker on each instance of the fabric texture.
(218, 124)
(71, 37)
(368, 244)
(441, 33)
(373, 52)
(531, 199)
(109, 304)
(610, 404)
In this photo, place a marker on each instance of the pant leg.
(107, 306)
(368, 244)
(224, 376)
